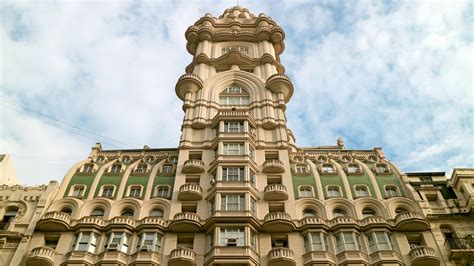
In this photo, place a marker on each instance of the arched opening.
(66, 210)
(368, 212)
(338, 213)
(308, 212)
(156, 212)
(98, 212)
(9, 215)
(127, 213)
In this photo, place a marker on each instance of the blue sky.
(395, 74)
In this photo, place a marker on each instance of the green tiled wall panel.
(360, 180)
(136, 179)
(303, 180)
(383, 180)
(80, 180)
(332, 180)
(109, 180)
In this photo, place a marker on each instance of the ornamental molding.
(23, 188)
(235, 57)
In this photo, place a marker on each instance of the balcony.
(41, 256)
(88, 222)
(54, 221)
(151, 223)
(319, 258)
(281, 257)
(460, 247)
(185, 222)
(280, 83)
(275, 192)
(233, 255)
(352, 257)
(193, 166)
(423, 256)
(374, 221)
(121, 222)
(150, 258)
(188, 83)
(278, 222)
(385, 257)
(76, 257)
(274, 166)
(190, 192)
(109, 257)
(411, 221)
(313, 222)
(343, 221)
(182, 257)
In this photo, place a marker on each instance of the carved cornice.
(24, 188)
(235, 57)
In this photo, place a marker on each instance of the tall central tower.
(234, 132)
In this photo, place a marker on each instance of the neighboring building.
(7, 171)
(449, 207)
(237, 190)
(20, 208)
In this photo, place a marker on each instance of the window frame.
(238, 148)
(124, 241)
(366, 190)
(346, 238)
(309, 245)
(156, 193)
(305, 191)
(237, 233)
(81, 188)
(156, 242)
(90, 244)
(388, 189)
(237, 203)
(107, 186)
(132, 189)
(374, 244)
(333, 188)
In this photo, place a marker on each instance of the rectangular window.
(233, 127)
(253, 206)
(361, 191)
(315, 242)
(88, 168)
(167, 169)
(234, 100)
(333, 192)
(233, 149)
(253, 241)
(150, 242)
(135, 192)
(232, 202)
(116, 168)
(233, 174)
(118, 241)
(232, 237)
(379, 241)
(301, 169)
(78, 191)
(346, 241)
(108, 192)
(86, 241)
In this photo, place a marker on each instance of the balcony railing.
(278, 222)
(411, 221)
(54, 221)
(275, 192)
(423, 256)
(182, 257)
(460, 246)
(185, 222)
(193, 166)
(281, 256)
(41, 256)
(190, 192)
(273, 166)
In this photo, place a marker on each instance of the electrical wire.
(61, 124)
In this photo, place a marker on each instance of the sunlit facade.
(237, 190)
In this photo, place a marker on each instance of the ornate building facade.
(237, 190)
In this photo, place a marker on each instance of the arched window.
(135, 191)
(368, 212)
(107, 191)
(98, 212)
(308, 212)
(400, 210)
(382, 168)
(338, 213)
(353, 168)
(328, 168)
(162, 192)
(234, 96)
(361, 191)
(391, 191)
(78, 191)
(333, 191)
(66, 210)
(127, 213)
(156, 213)
(116, 168)
(141, 168)
(10, 213)
(88, 168)
(306, 191)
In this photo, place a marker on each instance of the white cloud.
(395, 75)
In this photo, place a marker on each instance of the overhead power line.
(63, 125)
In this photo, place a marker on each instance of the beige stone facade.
(7, 171)
(237, 190)
(20, 208)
